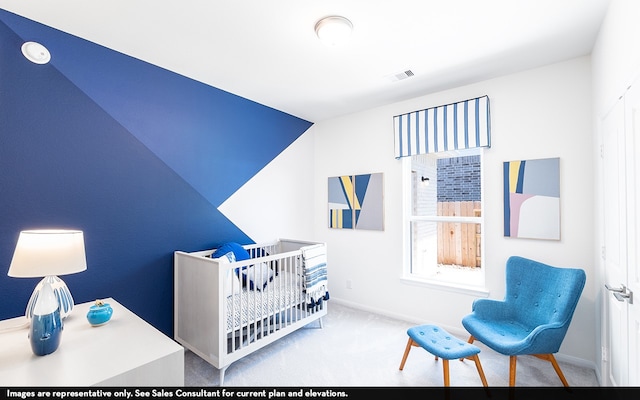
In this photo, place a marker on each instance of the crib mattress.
(252, 306)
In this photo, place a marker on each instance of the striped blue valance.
(462, 125)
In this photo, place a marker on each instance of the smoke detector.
(36, 53)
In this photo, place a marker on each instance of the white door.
(614, 182)
(632, 130)
(621, 149)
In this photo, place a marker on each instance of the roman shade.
(462, 125)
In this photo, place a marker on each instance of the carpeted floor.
(360, 349)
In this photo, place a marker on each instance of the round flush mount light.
(333, 30)
(35, 52)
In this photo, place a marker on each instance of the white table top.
(87, 355)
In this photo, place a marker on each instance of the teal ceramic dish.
(99, 313)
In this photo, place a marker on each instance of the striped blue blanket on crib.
(314, 260)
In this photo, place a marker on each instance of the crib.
(225, 309)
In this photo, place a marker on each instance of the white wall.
(277, 202)
(540, 113)
(616, 55)
(615, 65)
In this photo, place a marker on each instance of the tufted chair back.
(539, 294)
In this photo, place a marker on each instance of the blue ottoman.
(443, 345)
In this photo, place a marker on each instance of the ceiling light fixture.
(36, 53)
(333, 30)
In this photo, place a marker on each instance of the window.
(442, 201)
(443, 219)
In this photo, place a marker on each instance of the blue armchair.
(534, 315)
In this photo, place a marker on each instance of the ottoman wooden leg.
(410, 343)
(445, 370)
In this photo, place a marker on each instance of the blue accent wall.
(136, 156)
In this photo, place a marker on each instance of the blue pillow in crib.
(240, 252)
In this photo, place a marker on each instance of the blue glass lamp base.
(60, 290)
(45, 333)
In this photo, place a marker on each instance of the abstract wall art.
(532, 199)
(356, 202)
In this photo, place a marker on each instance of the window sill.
(479, 291)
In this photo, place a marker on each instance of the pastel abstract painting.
(532, 199)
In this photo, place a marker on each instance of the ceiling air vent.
(400, 75)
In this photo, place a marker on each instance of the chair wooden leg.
(445, 370)
(556, 367)
(410, 343)
(512, 370)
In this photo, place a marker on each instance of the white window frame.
(477, 289)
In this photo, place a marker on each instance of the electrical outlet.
(348, 283)
(604, 354)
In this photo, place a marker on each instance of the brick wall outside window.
(464, 188)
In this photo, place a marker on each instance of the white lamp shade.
(47, 252)
(333, 30)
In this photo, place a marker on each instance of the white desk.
(127, 351)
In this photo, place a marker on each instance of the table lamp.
(48, 253)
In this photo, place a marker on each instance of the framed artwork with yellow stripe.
(356, 202)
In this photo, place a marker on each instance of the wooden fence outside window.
(459, 243)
